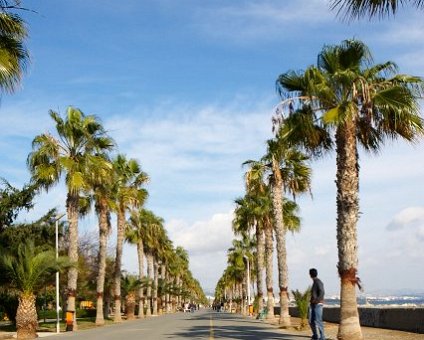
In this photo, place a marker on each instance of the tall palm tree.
(129, 179)
(289, 174)
(246, 218)
(362, 104)
(28, 269)
(358, 8)
(14, 56)
(260, 195)
(101, 183)
(180, 270)
(134, 235)
(77, 150)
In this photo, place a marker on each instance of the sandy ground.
(369, 333)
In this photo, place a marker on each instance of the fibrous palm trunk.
(163, 296)
(280, 236)
(155, 287)
(26, 317)
(260, 239)
(347, 181)
(72, 212)
(103, 234)
(130, 306)
(269, 271)
(140, 254)
(149, 287)
(118, 264)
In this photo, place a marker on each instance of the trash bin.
(70, 321)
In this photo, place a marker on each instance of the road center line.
(211, 329)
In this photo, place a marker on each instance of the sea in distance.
(407, 301)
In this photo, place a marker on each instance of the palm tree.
(129, 193)
(102, 191)
(130, 285)
(134, 235)
(82, 140)
(362, 104)
(247, 216)
(260, 192)
(180, 269)
(289, 174)
(358, 8)
(302, 304)
(14, 56)
(28, 269)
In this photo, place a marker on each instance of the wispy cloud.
(260, 20)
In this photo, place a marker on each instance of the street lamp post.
(248, 284)
(58, 217)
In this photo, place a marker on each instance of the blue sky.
(188, 88)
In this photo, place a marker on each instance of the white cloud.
(203, 237)
(412, 217)
(260, 20)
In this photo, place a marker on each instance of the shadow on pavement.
(230, 326)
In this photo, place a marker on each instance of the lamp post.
(248, 283)
(58, 217)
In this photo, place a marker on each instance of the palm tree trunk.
(269, 271)
(163, 296)
(26, 317)
(178, 297)
(155, 286)
(260, 238)
(140, 254)
(72, 212)
(118, 264)
(130, 306)
(280, 236)
(347, 182)
(149, 287)
(103, 234)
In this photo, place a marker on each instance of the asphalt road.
(203, 324)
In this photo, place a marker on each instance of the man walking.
(316, 306)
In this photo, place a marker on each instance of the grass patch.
(50, 326)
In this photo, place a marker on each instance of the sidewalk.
(369, 333)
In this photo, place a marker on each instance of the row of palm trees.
(81, 155)
(265, 212)
(342, 103)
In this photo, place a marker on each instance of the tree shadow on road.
(229, 326)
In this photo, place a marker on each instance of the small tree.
(302, 303)
(28, 269)
(130, 285)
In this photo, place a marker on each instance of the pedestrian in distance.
(316, 306)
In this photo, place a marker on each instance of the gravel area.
(369, 333)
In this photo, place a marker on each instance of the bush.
(302, 303)
(9, 304)
(86, 313)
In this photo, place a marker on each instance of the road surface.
(203, 324)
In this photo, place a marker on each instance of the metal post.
(57, 273)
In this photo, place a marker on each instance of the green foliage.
(8, 304)
(30, 266)
(13, 200)
(302, 302)
(13, 54)
(42, 232)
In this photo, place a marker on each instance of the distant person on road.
(316, 306)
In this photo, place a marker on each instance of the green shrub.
(302, 303)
